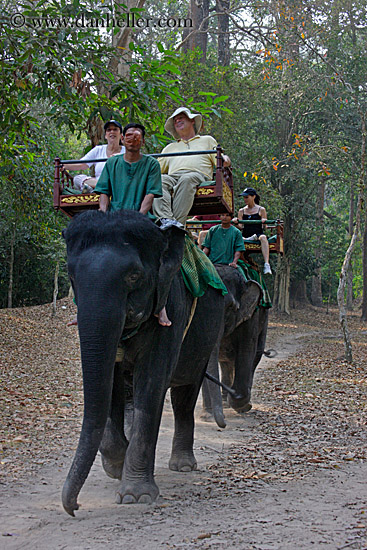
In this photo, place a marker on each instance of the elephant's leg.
(129, 403)
(263, 327)
(212, 400)
(114, 443)
(137, 483)
(227, 376)
(207, 411)
(245, 344)
(250, 345)
(183, 400)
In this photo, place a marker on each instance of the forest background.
(282, 87)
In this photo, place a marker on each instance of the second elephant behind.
(239, 347)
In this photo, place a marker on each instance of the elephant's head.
(242, 299)
(239, 347)
(121, 266)
(122, 261)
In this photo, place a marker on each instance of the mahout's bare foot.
(163, 318)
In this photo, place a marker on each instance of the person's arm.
(207, 243)
(264, 217)
(146, 205)
(153, 184)
(104, 188)
(91, 155)
(226, 161)
(104, 202)
(236, 257)
(239, 216)
(81, 166)
(238, 248)
(164, 162)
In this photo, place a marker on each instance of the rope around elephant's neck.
(192, 313)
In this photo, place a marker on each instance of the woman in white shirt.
(113, 135)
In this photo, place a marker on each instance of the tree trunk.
(298, 294)
(316, 291)
(281, 287)
(11, 268)
(364, 264)
(56, 288)
(349, 283)
(350, 231)
(198, 36)
(341, 300)
(120, 41)
(224, 56)
(348, 255)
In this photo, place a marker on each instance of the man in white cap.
(181, 175)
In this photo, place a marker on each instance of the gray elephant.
(123, 270)
(239, 347)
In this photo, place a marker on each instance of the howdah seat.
(212, 197)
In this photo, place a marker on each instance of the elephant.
(239, 347)
(124, 269)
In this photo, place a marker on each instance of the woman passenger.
(253, 211)
(113, 135)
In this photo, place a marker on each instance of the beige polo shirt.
(193, 163)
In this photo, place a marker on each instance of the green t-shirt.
(223, 243)
(128, 183)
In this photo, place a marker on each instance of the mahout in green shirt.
(223, 243)
(128, 183)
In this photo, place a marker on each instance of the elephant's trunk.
(98, 342)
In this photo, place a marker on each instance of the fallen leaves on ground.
(309, 410)
(40, 388)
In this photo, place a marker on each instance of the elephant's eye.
(132, 278)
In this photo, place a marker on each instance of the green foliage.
(58, 78)
(287, 111)
(27, 216)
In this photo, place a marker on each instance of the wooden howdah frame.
(214, 197)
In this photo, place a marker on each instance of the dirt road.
(276, 478)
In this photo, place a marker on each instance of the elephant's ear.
(171, 260)
(250, 299)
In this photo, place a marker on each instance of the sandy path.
(327, 509)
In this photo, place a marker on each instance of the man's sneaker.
(267, 269)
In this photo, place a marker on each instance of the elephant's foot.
(137, 492)
(246, 408)
(112, 468)
(240, 405)
(113, 449)
(183, 461)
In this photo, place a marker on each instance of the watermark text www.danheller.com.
(106, 21)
